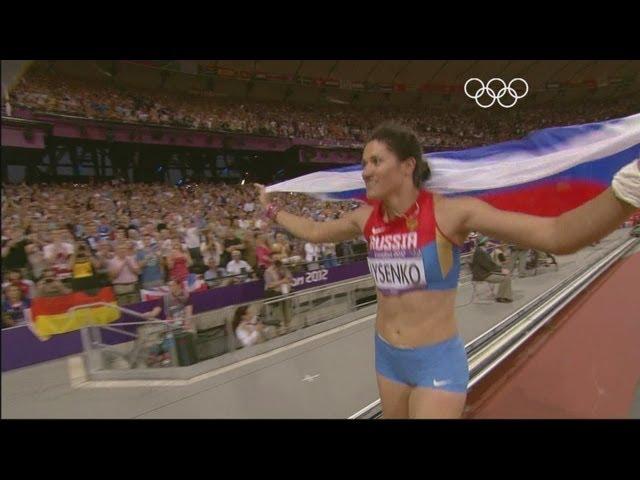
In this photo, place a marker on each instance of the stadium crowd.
(80, 237)
(331, 124)
(133, 236)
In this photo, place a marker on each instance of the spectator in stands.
(178, 262)
(84, 266)
(104, 255)
(134, 237)
(211, 248)
(166, 243)
(263, 254)
(483, 269)
(231, 243)
(92, 238)
(250, 255)
(27, 287)
(49, 285)
(248, 328)
(281, 247)
(192, 242)
(104, 229)
(238, 267)
(14, 255)
(278, 279)
(13, 307)
(214, 274)
(124, 271)
(313, 252)
(178, 306)
(151, 264)
(58, 254)
(329, 258)
(35, 256)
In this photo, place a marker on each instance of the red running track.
(585, 363)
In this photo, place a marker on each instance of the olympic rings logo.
(490, 92)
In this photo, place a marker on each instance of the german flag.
(51, 316)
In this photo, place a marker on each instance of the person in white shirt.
(58, 254)
(312, 254)
(236, 265)
(249, 207)
(249, 330)
(192, 242)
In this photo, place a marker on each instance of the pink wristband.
(272, 211)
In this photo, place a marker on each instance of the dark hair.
(404, 143)
(237, 317)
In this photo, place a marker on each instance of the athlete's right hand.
(263, 196)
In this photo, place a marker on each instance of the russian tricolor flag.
(548, 172)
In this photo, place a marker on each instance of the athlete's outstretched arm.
(566, 233)
(345, 228)
(561, 235)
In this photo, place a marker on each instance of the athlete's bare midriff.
(418, 318)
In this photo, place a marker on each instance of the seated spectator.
(214, 274)
(124, 270)
(248, 328)
(49, 285)
(486, 270)
(238, 267)
(13, 307)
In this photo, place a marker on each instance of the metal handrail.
(291, 296)
(511, 339)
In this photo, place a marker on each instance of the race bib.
(398, 273)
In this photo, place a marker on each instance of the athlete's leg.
(394, 398)
(434, 403)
